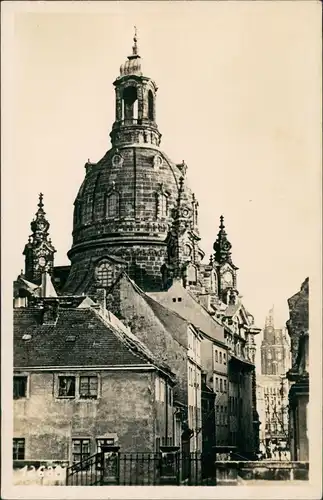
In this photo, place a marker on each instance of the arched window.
(191, 275)
(162, 205)
(105, 274)
(112, 205)
(150, 105)
(130, 103)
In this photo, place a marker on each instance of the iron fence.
(149, 469)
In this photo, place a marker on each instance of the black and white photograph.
(161, 249)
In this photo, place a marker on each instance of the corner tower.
(126, 205)
(226, 270)
(39, 251)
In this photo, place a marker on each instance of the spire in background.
(270, 318)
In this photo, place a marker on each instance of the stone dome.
(125, 206)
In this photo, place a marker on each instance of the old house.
(81, 378)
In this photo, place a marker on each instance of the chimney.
(47, 287)
(101, 298)
(50, 311)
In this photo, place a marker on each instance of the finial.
(221, 222)
(40, 204)
(135, 39)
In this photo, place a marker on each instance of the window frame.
(105, 439)
(105, 273)
(16, 440)
(77, 376)
(62, 376)
(21, 376)
(81, 454)
(88, 376)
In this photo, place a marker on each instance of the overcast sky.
(238, 100)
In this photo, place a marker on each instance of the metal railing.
(88, 472)
(151, 469)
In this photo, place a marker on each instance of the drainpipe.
(166, 414)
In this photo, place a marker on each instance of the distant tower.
(39, 251)
(274, 349)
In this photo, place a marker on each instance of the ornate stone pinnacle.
(40, 204)
(222, 246)
(135, 39)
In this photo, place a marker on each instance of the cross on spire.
(41, 204)
(135, 39)
(222, 246)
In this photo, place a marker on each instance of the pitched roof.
(190, 309)
(171, 320)
(80, 337)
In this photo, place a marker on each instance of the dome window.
(157, 161)
(117, 160)
(112, 205)
(162, 205)
(150, 106)
(105, 274)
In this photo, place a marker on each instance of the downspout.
(166, 414)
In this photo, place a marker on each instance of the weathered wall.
(132, 309)
(126, 409)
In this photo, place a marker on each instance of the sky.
(238, 99)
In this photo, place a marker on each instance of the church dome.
(125, 206)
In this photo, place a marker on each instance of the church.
(138, 342)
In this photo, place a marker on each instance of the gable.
(189, 309)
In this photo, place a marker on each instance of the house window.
(157, 444)
(89, 387)
(18, 449)
(224, 359)
(66, 387)
(80, 450)
(112, 205)
(221, 385)
(216, 356)
(19, 387)
(104, 272)
(104, 442)
(225, 385)
(220, 354)
(217, 383)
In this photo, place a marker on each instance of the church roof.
(81, 337)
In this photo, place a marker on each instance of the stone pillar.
(169, 465)
(111, 465)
